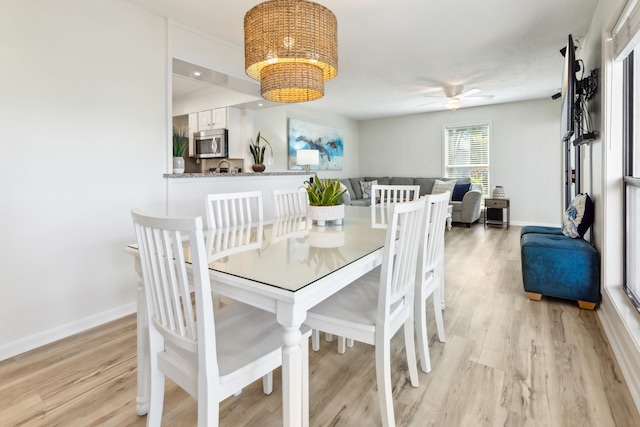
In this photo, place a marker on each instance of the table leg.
(295, 376)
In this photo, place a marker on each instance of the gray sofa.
(465, 211)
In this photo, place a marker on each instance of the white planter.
(178, 165)
(322, 214)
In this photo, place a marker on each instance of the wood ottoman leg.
(586, 305)
(534, 296)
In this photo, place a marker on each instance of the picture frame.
(327, 140)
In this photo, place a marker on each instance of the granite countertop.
(226, 174)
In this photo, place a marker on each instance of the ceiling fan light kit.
(291, 48)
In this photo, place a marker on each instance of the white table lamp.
(307, 158)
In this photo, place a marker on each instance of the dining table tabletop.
(285, 266)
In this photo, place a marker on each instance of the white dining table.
(295, 266)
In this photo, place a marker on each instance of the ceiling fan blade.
(470, 92)
(427, 103)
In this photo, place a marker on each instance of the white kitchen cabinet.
(212, 119)
(205, 120)
(219, 118)
(235, 124)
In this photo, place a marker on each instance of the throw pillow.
(365, 186)
(444, 186)
(578, 217)
(459, 191)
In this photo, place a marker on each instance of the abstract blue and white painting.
(311, 136)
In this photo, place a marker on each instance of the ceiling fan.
(454, 95)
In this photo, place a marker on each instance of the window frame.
(446, 166)
(631, 180)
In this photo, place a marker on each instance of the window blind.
(467, 153)
(626, 32)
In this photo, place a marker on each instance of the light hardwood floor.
(507, 361)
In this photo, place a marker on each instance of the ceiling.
(392, 54)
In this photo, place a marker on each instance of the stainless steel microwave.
(209, 144)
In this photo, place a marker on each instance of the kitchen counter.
(226, 174)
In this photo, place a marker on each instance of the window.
(466, 151)
(631, 206)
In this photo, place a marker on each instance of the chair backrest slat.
(385, 196)
(233, 209)
(162, 242)
(432, 239)
(289, 202)
(397, 276)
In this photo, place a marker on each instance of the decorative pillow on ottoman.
(365, 186)
(444, 186)
(578, 217)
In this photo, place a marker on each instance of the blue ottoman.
(558, 266)
(537, 229)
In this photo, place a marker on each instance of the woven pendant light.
(291, 48)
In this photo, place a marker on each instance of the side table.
(493, 213)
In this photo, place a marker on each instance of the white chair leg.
(328, 337)
(305, 381)
(420, 318)
(267, 383)
(342, 345)
(156, 390)
(410, 349)
(315, 339)
(383, 379)
(437, 309)
(349, 342)
(208, 406)
(440, 273)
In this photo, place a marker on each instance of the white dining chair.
(289, 202)
(210, 353)
(430, 273)
(384, 196)
(229, 209)
(374, 307)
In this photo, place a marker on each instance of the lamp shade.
(308, 157)
(291, 48)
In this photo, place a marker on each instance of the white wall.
(525, 152)
(84, 140)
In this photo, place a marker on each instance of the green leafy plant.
(257, 150)
(324, 192)
(180, 139)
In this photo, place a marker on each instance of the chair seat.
(246, 337)
(356, 307)
(253, 332)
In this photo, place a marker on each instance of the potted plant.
(180, 139)
(257, 152)
(324, 200)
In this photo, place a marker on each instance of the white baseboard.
(47, 337)
(621, 323)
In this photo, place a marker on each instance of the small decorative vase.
(498, 192)
(258, 168)
(178, 165)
